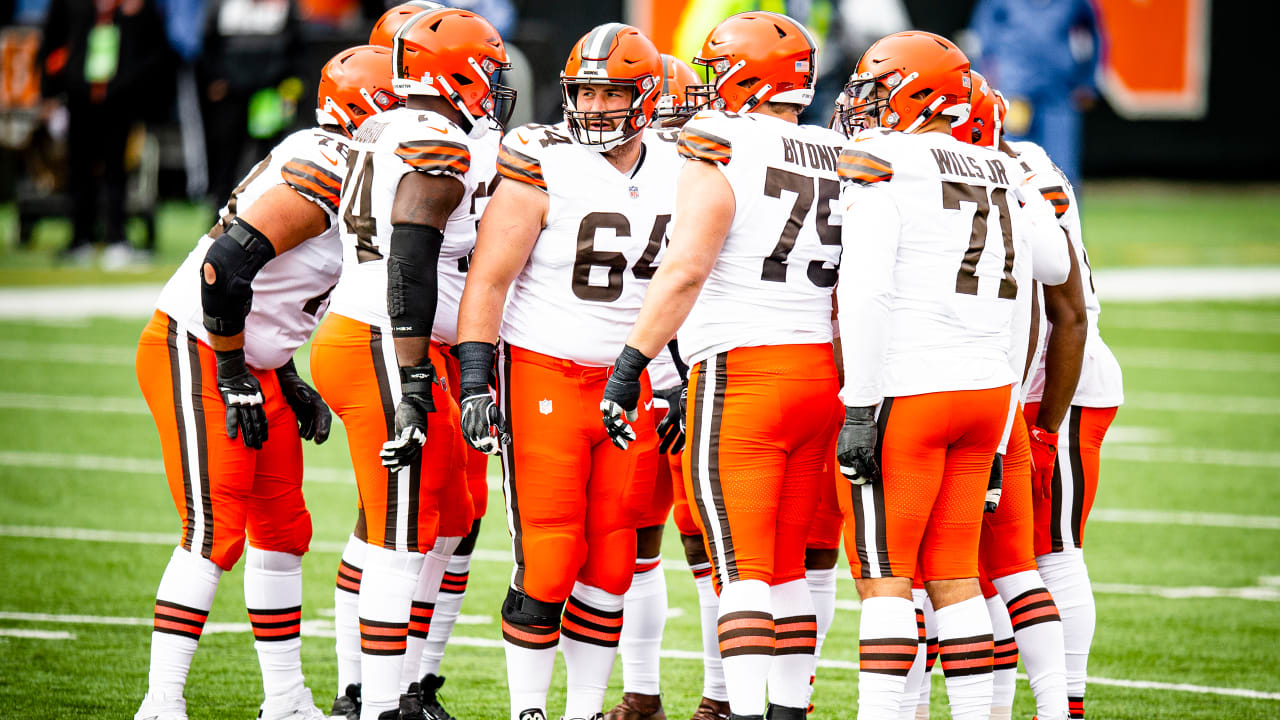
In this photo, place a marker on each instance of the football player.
(1066, 463)
(407, 207)
(432, 625)
(748, 281)
(928, 289)
(576, 224)
(645, 603)
(216, 367)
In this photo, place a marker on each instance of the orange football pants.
(664, 488)
(355, 369)
(828, 520)
(477, 462)
(1006, 545)
(221, 488)
(762, 421)
(1061, 517)
(573, 498)
(936, 451)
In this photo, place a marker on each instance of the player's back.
(953, 290)
(772, 282)
(581, 289)
(1101, 384)
(385, 149)
(291, 291)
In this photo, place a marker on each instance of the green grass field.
(1183, 548)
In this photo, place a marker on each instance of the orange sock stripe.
(586, 615)
(533, 638)
(178, 628)
(181, 612)
(746, 645)
(967, 656)
(590, 632)
(455, 583)
(646, 567)
(1075, 708)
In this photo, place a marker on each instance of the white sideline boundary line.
(324, 628)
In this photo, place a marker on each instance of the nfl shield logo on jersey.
(544, 406)
(635, 192)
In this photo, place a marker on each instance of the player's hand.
(621, 394)
(995, 484)
(483, 426)
(309, 408)
(412, 413)
(856, 445)
(242, 394)
(1044, 453)
(671, 427)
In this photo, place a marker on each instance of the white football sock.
(1004, 667)
(643, 619)
(589, 637)
(531, 656)
(965, 650)
(423, 607)
(1067, 578)
(745, 629)
(1038, 628)
(273, 597)
(795, 632)
(182, 607)
(822, 591)
(713, 687)
(453, 588)
(911, 688)
(346, 613)
(887, 643)
(386, 592)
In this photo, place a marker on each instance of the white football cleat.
(161, 707)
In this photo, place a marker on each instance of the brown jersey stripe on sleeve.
(700, 145)
(863, 167)
(521, 167)
(1057, 196)
(435, 156)
(313, 181)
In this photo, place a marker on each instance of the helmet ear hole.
(461, 80)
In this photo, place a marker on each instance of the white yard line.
(1203, 403)
(1192, 283)
(1193, 519)
(137, 466)
(37, 634)
(1207, 360)
(68, 353)
(73, 403)
(1114, 285)
(1265, 593)
(1191, 456)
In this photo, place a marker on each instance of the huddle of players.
(506, 323)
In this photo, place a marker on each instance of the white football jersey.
(932, 228)
(1101, 381)
(385, 149)
(772, 282)
(291, 291)
(580, 291)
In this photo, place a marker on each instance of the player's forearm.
(671, 295)
(480, 312)
(865, 318)
(222, 343)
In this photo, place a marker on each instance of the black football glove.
(995, 484)
(415, 406)
(671, 427)
(621, 394)
(242, 394)
(309, 408)
(483, 426)
(856, 445)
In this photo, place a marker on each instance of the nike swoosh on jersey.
(648, 405)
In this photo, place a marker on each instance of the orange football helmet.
(673, 104)
(354, 85)
(385, 29)
(457, 55)
(922, 74)
(757, 57)
(987, 109)
(612, 54)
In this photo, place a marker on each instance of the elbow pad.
(226, 277)
(411, 279)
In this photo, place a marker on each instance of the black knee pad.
(468, 544)
(520, 609)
